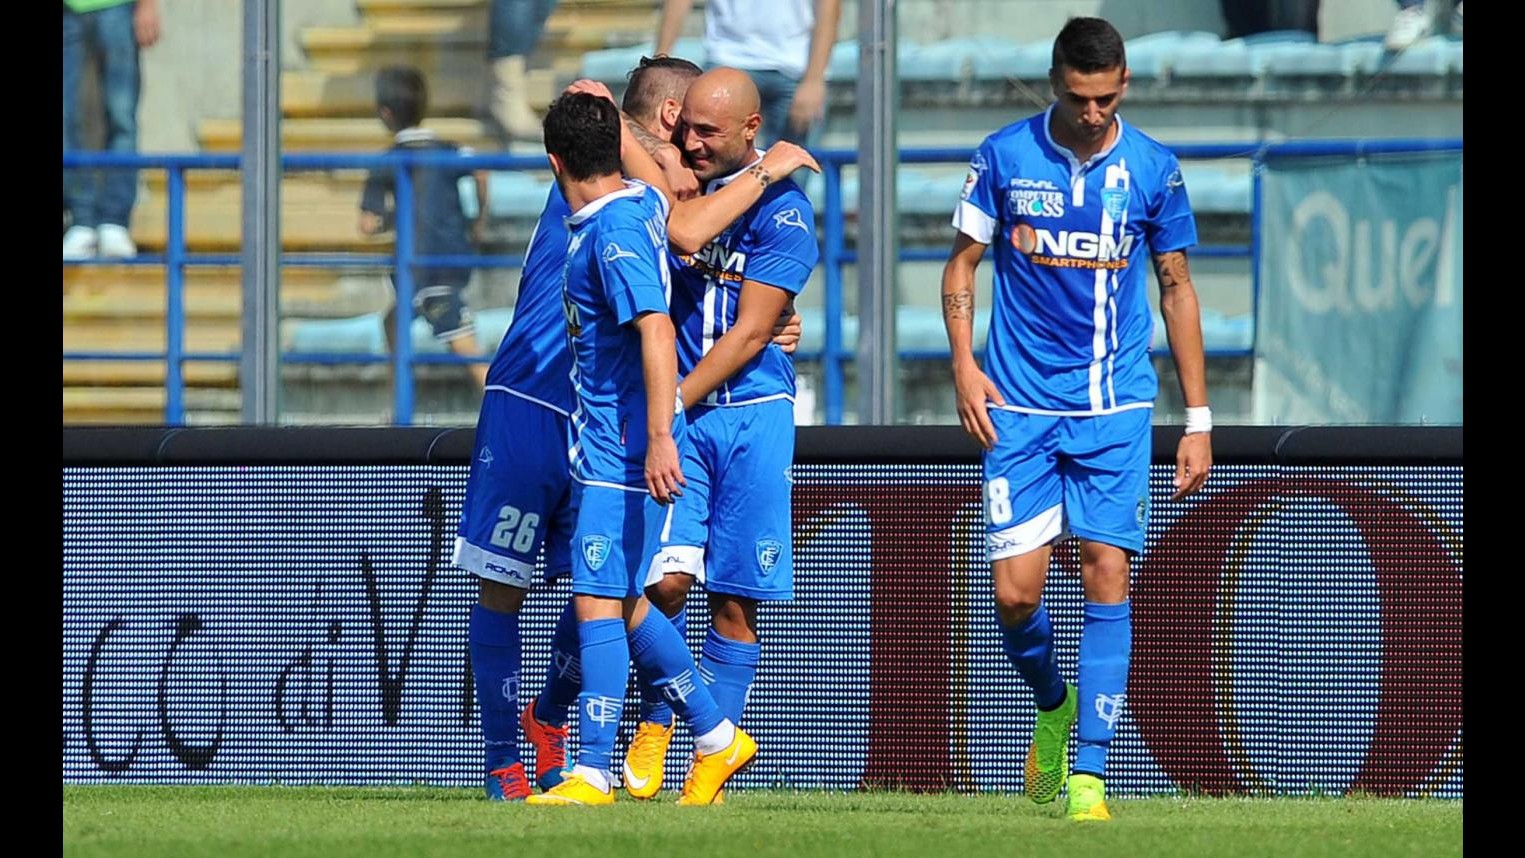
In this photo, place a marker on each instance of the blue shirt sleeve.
(784, 251)
(1170, 224)
(979, 212)
(378, 186)
(630, 272)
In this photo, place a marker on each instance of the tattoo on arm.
(650, 142)
(1171, 269)
(959, 305)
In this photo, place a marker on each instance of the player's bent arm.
(695, 223)
(659, 365)
(958, 297)
(757, 314)
(1183, 324)
(480, 176)
(637, 163)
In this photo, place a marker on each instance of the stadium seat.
(936, 62)
(1220, 332)
(916, 329)
(1431, 57)
(1150, 56)
(1224, 60)
(361, 334)
(512, 194)
(492, 324)
(997, 60)
(1217, 189)
(612, 65)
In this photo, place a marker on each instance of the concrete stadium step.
(318, 211)
(432, 51)
(139, 292)
(340, 134)
(134, 335)
(145, 405)
(121, 374)
(437, 43)
(460, 14)
(309, 93)
(219, 228)
(454, 93)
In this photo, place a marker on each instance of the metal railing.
(402, 261)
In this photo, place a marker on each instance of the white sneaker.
(1412, 24)
(79, 243)
(115, 243)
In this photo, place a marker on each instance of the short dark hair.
(655, 79)
(583, 130)
(401, 90)
(1089, 45)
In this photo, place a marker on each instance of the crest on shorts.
(768, 552)
(595, 550)
(1115, 202)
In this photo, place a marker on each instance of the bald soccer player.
(731, 528)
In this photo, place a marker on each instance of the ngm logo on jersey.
(715, 260)
(1072, 248)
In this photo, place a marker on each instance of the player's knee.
(1105, 578)
(1014, 605)
(500, 598)
(734, 618)
(669, 594)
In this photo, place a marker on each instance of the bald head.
(728, 90)
(719, 122)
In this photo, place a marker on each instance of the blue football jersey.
(773, 243)
(1070, 325)
(533, 361)
(615, 271)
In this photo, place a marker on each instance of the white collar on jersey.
(716, 184)
(632, 189)
(1075, 163)
(414, 135)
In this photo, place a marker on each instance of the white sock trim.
(716, 740)
(593, 776)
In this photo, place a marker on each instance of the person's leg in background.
(1299, 15)
(79, 185)
(1244, 18)
(514, 28)
(1417, 19)
(120, 80)
(777, 92)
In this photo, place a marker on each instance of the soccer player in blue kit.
(732, 529)
(630, 429)
(519, 494)
(1070, 198)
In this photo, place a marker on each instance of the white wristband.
(1199, 419)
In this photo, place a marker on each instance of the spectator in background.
(101, 202)
(514, 28)
(1248, 17)
(783, 46)
(440, 224)
(1414, 22)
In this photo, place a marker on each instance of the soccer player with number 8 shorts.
(1070, 198)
